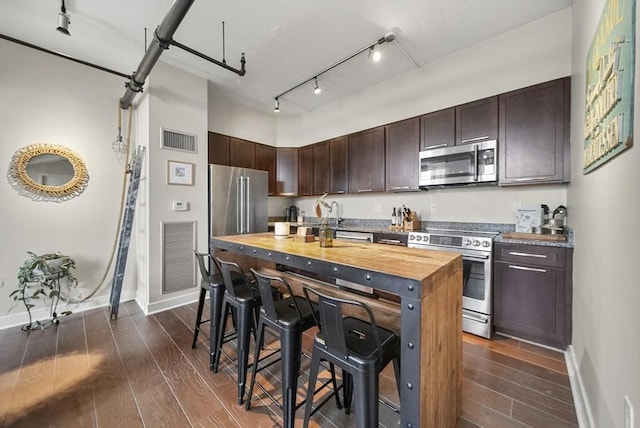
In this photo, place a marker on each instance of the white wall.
(228, 117)
(178, 102)
(606, 275)
(46, 99)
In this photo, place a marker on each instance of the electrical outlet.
(377, 208)
(628, 413)
(432, 208)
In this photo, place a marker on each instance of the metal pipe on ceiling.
(161, 39)
(61, 55)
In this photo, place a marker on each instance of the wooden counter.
(429, 284)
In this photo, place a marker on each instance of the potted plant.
(325, 234)
(41, 277)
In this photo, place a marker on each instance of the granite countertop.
(382, 226)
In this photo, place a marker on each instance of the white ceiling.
(285, 41)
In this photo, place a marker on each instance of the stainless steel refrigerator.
(237, 200)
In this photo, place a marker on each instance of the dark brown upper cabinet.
(321, 168)
(366, 161)
(339, 165)
(242, 153)
(438, 129)
(287, 171)
(305, 171)
(218, 149)
(402, 148)
(477, 121)
(266, 161)
(534, 134)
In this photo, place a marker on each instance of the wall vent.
(178, 261)
(173, 140)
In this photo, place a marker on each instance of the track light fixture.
(63, 20)
(276, 107)
(389, 36)
(316, 87)
(374, 54)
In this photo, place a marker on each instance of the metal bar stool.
(289, 317)
(246, 302)
(214, 283)
(359, 347)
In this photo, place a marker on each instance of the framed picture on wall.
(180, 173)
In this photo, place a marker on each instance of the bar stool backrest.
(232, 288)
(204, 270)
(265, 284)
(331, 323)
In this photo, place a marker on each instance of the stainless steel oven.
(477, 258)
(465, 164)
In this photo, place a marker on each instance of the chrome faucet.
(338, 219)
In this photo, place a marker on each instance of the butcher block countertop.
(429, 284)
(405, 265)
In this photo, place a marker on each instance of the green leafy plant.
(40, 278)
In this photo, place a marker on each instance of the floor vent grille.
(180, 141)
(178, 261)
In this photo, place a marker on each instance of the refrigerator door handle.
(247, 205)
(240, 204)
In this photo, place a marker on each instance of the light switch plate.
(180, 206)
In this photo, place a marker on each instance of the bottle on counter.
(394, 217)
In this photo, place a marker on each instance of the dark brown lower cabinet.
(532, 293)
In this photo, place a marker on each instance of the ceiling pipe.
(161, 40)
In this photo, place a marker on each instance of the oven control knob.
(412, 237)
(467, 242)
(476, 243)
(486, 244)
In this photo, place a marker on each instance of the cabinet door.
(438, 129)
(529, 302)
(242, 153)
(218, 149)
(305, 171)
(366, 161)
(534, 134)
(402, 149)
(339, 165)
(477, 121)
(287, 171)
(266, 161)
(321, 168)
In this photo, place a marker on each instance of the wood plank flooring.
(140, 371)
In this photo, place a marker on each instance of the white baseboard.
(22, 318)
(580, 397)
(170, 302)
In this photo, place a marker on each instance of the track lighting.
(374, 54)
(63, 20)
(276, 107)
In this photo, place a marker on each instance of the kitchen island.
(429, 286)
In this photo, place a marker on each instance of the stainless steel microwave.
(465, 164)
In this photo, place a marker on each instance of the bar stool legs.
(196, 330)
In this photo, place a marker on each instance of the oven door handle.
(477, 318)
(475, 257)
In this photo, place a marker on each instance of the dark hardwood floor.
(141, 371)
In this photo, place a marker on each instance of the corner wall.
(606, 274)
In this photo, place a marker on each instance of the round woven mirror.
(47, 172)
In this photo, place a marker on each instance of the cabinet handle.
(339, 191)
(365, 190)
(527, 268)
(400, 187)
(531, 179)
(469, 140)
(389, 241)
(287, 194)
(517, 253)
